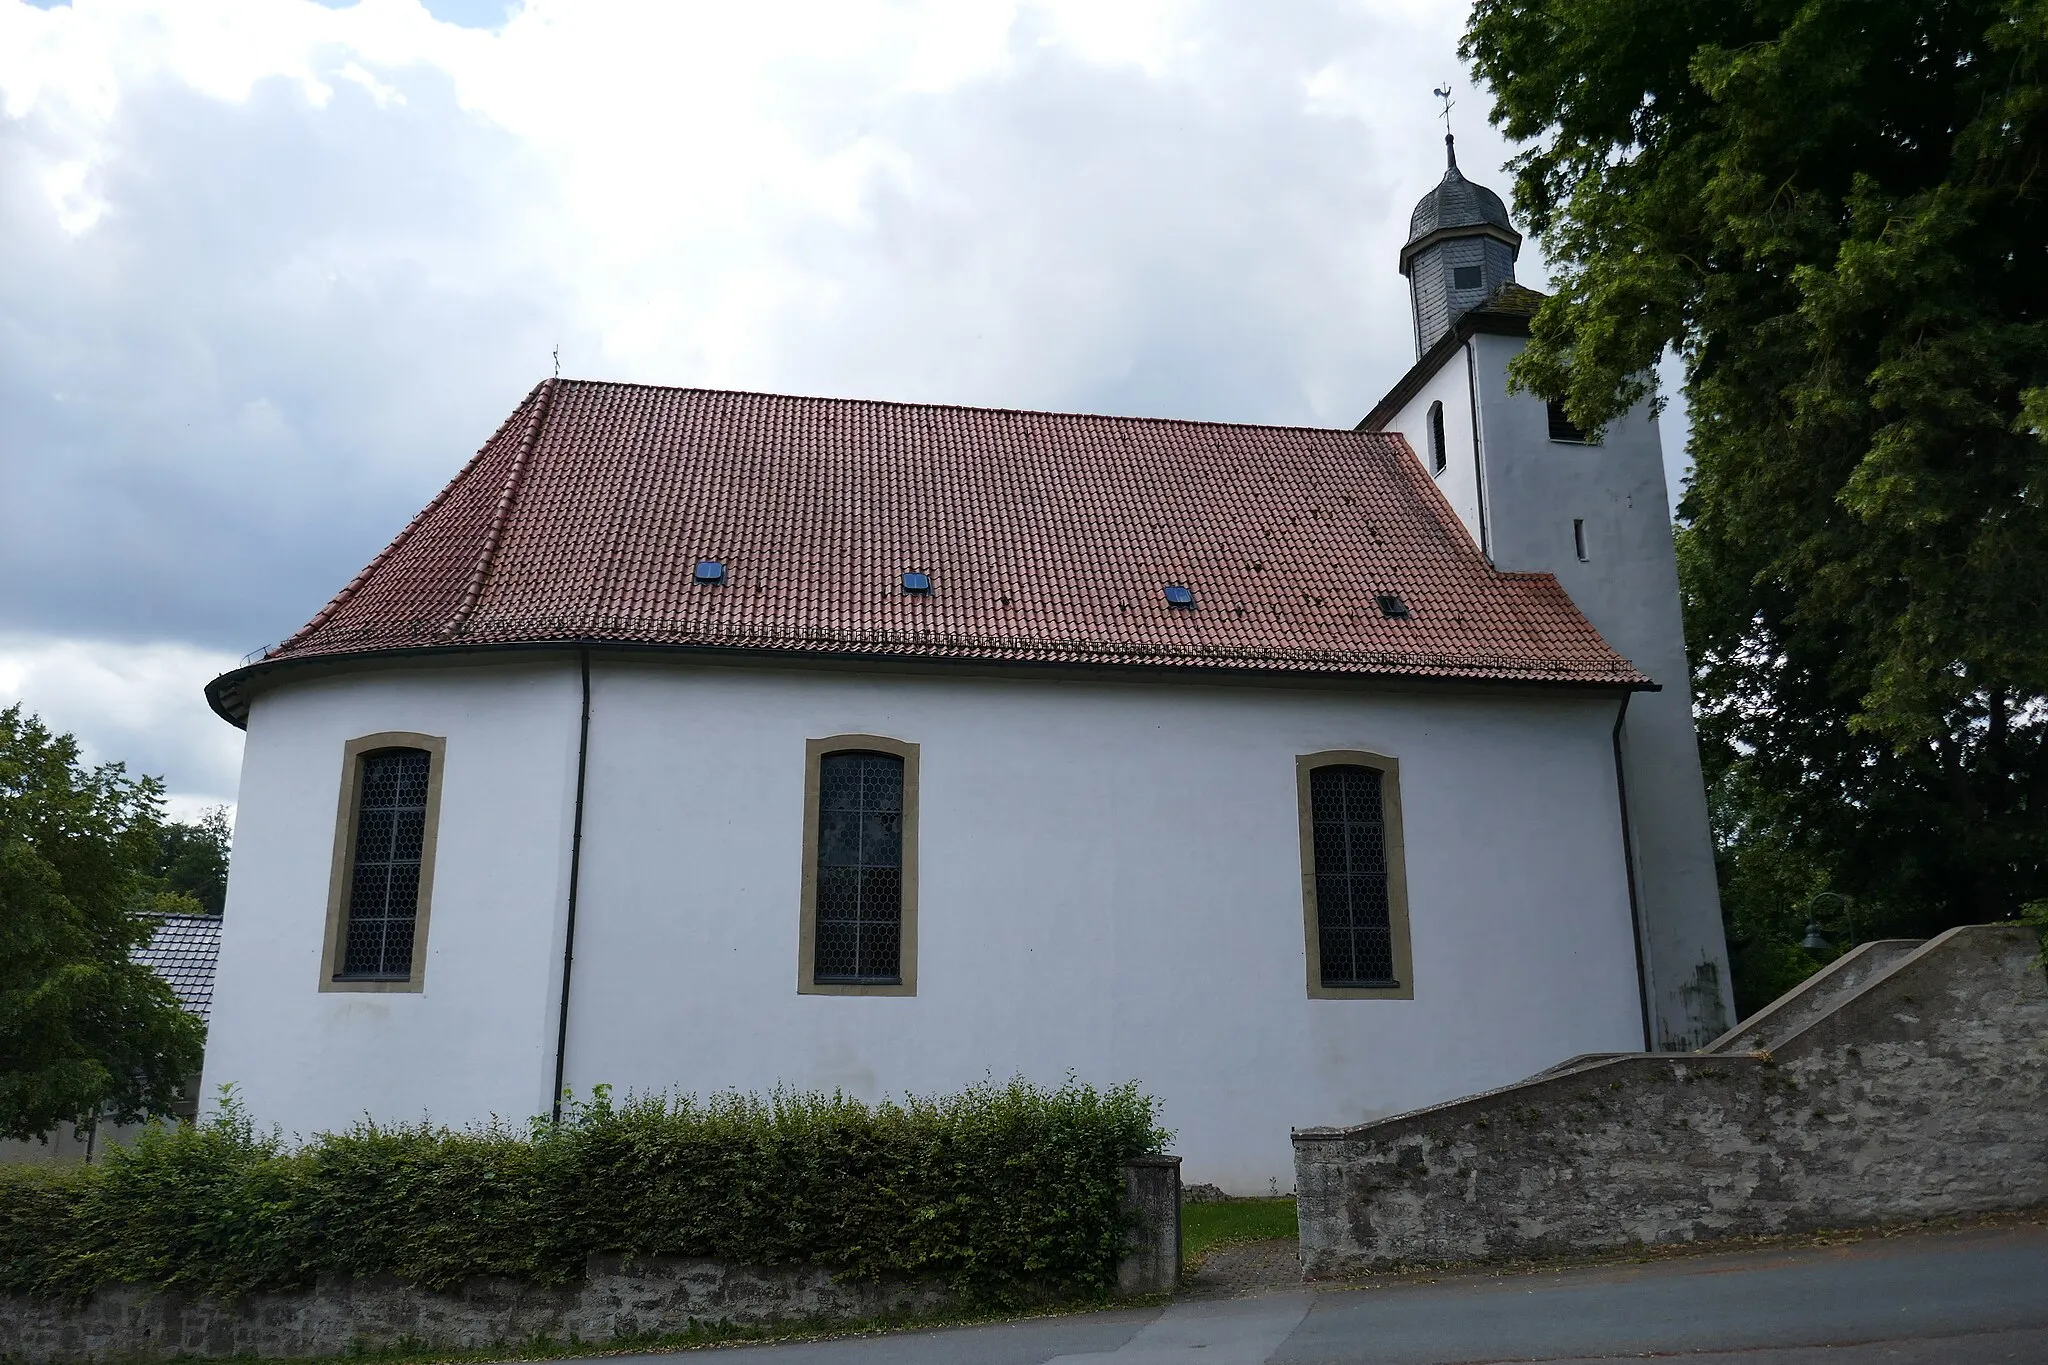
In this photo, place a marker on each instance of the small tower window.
(1465, 277)
(1579, 537)
(1438, 457)
(1563, 428)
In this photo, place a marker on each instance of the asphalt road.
(1964, 1298)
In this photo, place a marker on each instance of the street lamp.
(1815, 941)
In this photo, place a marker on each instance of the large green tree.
(192, 858)
(84, 1030)
(1836, 211)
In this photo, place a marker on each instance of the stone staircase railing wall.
(1907, 1081)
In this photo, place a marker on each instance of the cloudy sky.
(275, 268)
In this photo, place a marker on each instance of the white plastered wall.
(1110, 884)
(1460, 480)
(1627, 586)
(479, 1039)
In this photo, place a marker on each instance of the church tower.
(1537, 495)
(1461, 249)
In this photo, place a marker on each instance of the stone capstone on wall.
(1813, 997)
(1918, 1091)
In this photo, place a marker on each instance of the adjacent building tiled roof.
(184, 951)
(1049, 537)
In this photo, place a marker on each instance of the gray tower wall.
(1518, 493)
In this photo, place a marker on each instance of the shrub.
(1001, 1191)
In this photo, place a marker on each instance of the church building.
(703, 740)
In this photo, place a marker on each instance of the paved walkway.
(1960, 1298)
(1242, 1269)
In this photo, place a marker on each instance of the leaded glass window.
(384, 878)
(1354, 924)
(860, 869)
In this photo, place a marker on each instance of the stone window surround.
(343, 869)
(807, 923)
(1397, 875)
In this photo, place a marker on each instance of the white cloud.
(277, 268)
(140, 705)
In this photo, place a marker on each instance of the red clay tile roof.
(1050, 537)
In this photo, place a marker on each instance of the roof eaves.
(1478, 321)
(229, 694)
(1508, 237)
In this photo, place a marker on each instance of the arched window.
(859, 921)
(1354, 883)
(376, 937)
(1438, 454)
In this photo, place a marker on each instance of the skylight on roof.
(1392, 607)
(914, 581)
(709, 571)
(1178, 596)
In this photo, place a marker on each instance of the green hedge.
(1002, 1191)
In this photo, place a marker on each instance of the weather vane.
(558, 361)
(1443, 92)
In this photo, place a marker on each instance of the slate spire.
(1461, 249)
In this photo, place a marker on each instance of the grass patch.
(1204, 1227)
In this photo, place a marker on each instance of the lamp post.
(1815, 941)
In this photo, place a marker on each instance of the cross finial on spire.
(1443, 92)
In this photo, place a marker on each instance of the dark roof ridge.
(959, 407)
(508, 496)
(354, 585)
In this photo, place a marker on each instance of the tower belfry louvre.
(1461, 248)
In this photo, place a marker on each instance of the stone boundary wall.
(338, 1317)
(1919, 1093)
(619, 1297)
